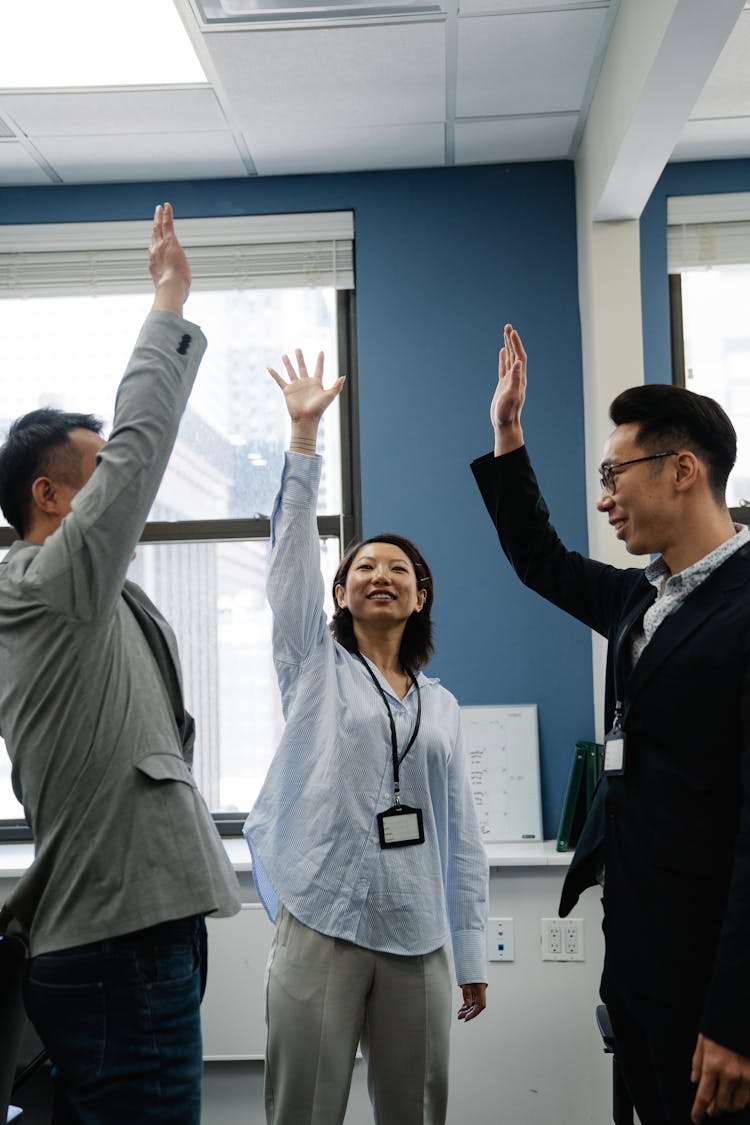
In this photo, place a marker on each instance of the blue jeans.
(120, 1020)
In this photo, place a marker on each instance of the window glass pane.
(9, 806)
(70, 352)
(213, 595)
(717, 353)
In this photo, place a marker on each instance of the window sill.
(16, 858)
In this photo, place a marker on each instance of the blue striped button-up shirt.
(312, 832)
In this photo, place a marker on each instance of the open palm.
(306, 397)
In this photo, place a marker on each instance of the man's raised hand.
(510, 393)
(168, 263)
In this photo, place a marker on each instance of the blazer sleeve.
(726, 1016)
(589, 590)
(80, 569)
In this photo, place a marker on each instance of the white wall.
(533, 1058)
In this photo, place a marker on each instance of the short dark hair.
(675, 418)
(416, 643)
(32, 449)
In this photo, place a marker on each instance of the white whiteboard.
(233, 1012)
(502, 747)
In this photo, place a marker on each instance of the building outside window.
(709, 268)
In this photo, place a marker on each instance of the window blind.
(236, 252)
(706, 230)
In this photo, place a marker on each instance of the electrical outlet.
(562, 939)
(500, 939)
(551, 939)
(573, 939)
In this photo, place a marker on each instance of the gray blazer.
(91, 705)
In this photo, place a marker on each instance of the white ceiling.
(491, 81)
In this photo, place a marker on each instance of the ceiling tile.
(526, 63)
(536, 138)
(341, 76)
(17, 167)
(727, 92)
(349, 150)
(714, 140)
(151, 156)
(97, 112)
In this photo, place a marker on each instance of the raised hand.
(170, 269)
(306, 399)
(510, 393)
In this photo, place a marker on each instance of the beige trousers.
(323, 997)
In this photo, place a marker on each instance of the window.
(203, 554)
(709, 267)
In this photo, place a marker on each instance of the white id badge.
(614, 753)
(400, 826)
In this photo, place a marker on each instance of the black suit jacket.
(674, 831)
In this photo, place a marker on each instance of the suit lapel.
(159, 639)
(153, 623)
(697, 608)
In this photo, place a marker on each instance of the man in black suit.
(669, 829)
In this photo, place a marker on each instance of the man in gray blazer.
(128, 860)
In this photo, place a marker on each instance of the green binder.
(585, 771)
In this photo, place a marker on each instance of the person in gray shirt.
(127, 858)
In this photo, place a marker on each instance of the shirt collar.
(659, 574)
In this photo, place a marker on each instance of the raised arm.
(80, 568)
(295, 584)
(510, 394)
(306, 400)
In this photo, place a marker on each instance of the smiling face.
(380, 586)
(642, 509)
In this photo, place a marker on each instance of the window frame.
(345, 527)
(677, 339)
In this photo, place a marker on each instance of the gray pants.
(323, 997)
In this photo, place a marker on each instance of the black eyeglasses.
(608, 476)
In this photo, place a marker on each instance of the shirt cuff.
(470, 956)
(300, 478)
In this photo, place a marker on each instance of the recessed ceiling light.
(51, 44)
(265, 11)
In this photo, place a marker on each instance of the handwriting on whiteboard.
(502, 748)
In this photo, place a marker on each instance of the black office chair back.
(12, 1017)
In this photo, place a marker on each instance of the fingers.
(163, 221)
(289, 368)
(512, 359)
(723, 1078)
(697, 1063)
(276, 378)
(475, 1001)
(300, 372)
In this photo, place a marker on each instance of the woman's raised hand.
(306, 397)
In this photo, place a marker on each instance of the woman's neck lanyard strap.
(397, 760)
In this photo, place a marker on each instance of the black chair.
(622, 1106)
(12, 1016)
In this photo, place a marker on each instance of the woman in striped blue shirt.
(365, 842)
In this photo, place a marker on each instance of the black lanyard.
(397, 760)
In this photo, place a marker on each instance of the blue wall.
(443, 259)
(700, 178)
